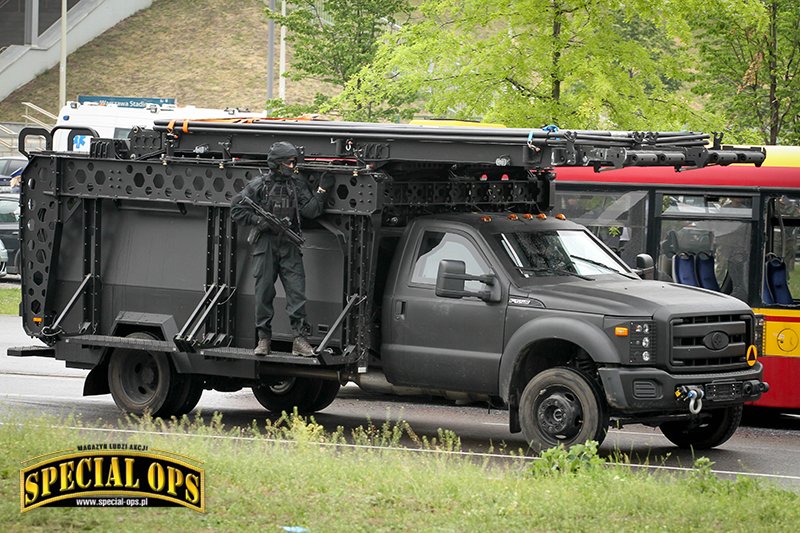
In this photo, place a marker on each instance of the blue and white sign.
(126, 101)
(80, 143)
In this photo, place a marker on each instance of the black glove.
(263, 225)
(326, 181)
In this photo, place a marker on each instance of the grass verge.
(9, 301)
(287, 473)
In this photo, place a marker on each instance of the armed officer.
(284, 192)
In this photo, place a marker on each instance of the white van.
(111, 121)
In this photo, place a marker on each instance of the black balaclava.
(280, 152)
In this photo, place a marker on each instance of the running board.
(31, 351)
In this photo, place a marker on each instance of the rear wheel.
(327, 393)
(706, 432)
(191, 396)
(560, 406)
(288, 393)
(142, 381)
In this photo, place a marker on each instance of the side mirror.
(645, 266)
(452, 276)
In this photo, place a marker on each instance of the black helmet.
(281, 151)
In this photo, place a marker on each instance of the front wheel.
(709, 431)
(560, 406)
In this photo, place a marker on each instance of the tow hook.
(693, 394)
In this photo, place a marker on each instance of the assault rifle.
(276, 224)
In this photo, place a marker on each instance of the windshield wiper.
(601, 265)
(561, 271)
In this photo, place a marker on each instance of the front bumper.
(637, 390)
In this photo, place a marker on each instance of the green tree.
(333, 39)
(750, 61)
(575, 63)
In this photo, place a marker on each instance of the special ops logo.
(113, 475)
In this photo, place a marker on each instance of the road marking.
(642, 433)
(40, 376)
(623, 432)
(43, 397)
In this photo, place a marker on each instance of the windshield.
(9, 210)
(558, 253)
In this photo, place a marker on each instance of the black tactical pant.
(280, 258)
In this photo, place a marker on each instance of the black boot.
(300, 346)
(262, 348)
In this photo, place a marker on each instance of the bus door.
(783, 229)
(709, 241)
(781, 307)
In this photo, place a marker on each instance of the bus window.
(619, 219)
(783, 244)
(716, 206)
(703, 232)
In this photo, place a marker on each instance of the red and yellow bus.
(730, 229)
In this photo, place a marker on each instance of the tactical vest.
(280, 199)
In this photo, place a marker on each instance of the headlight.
(636, 338)
(642, 340)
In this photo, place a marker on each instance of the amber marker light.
(527, 216)
(621, 332)
(486, 218)
(561, 216)
(513, 216)
(37, 319)
(541, 216)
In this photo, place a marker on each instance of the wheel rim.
(140, 377)
(559, 414)
(282, 387)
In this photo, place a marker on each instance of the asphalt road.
(769, 450)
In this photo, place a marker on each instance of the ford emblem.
(716, 340)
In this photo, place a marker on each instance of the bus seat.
(705, 271)
(683, 270)
(777, 281)
(766, 293)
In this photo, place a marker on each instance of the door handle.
(399, 309)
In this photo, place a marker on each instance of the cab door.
(438, 342)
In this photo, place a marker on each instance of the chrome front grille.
(710, 342)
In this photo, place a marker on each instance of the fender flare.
(590, 338)
(97, 381)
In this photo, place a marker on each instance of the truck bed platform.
(169, 346)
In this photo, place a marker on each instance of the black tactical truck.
(438, 268)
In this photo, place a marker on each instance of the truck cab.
(488, 303)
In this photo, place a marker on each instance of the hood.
(633, 298)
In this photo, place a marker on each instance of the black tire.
(289, 393)
(191, 397)
(707, 432)
(143, 381)
(560, 406)
(327, 393)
